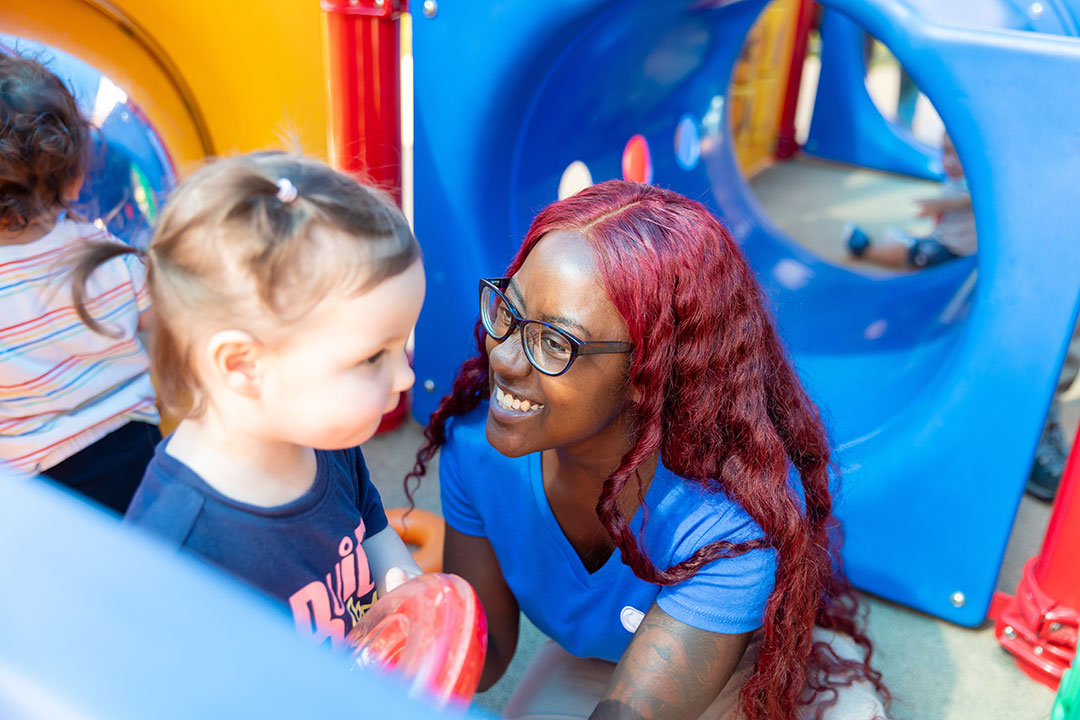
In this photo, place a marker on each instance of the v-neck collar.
(558, 537)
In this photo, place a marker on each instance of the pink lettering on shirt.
(320, 607)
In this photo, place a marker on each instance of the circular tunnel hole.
(872, 170)
(130, 171)
(863, 243)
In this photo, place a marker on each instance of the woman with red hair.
(631, 461)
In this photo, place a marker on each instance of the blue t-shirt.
(486, 494)
(306, 553)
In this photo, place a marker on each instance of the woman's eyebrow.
(518, 298)
(559, 320)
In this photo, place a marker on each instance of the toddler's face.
(330, 385)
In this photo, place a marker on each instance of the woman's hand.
(473, 559)
(670, 670)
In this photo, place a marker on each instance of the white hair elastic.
(286, 191)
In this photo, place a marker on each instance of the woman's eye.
(555, 345)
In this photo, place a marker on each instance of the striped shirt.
(63, 386)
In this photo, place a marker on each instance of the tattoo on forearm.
(614, 710)
(670, 670)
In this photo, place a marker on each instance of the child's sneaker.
(856, 240)
(1050, 458)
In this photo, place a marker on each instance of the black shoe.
(1043, 481)
(1050, 459)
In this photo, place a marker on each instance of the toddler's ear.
(233, 358)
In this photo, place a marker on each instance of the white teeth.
(510, 402)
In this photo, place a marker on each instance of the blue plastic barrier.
(847, 127)
(935, 386)
(99, 621)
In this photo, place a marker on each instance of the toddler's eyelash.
(374, 358)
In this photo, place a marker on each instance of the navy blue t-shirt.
(306, 553)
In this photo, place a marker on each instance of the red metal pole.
(363, 69)
(786, 145)
(363, 44)
(1039, 625)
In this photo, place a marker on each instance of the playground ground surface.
(936, 670)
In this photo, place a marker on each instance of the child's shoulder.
(350, 458)
(167, 502)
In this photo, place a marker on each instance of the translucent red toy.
(432, 629)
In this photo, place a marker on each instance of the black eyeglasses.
(549, 349)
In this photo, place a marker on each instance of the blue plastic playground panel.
(98, 620)
(130, 172)
(934, 385)
(846, 125)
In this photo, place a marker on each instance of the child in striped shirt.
(76, 405)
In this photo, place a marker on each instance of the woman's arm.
(473, 559)
(670, 670)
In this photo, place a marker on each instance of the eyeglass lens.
(546, 348)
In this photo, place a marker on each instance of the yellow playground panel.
(211, 77)
(758, 85)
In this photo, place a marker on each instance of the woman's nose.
(507, 358)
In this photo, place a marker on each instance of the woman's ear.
(234, 357)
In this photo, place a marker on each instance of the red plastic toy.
(433, 630)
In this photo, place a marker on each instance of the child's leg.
(892, 255)
(110, 470)
(891, 252)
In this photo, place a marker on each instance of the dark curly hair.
(44, 141)
(720, 399)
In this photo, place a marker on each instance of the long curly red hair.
(720, 399)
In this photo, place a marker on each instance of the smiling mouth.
(509, 402)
